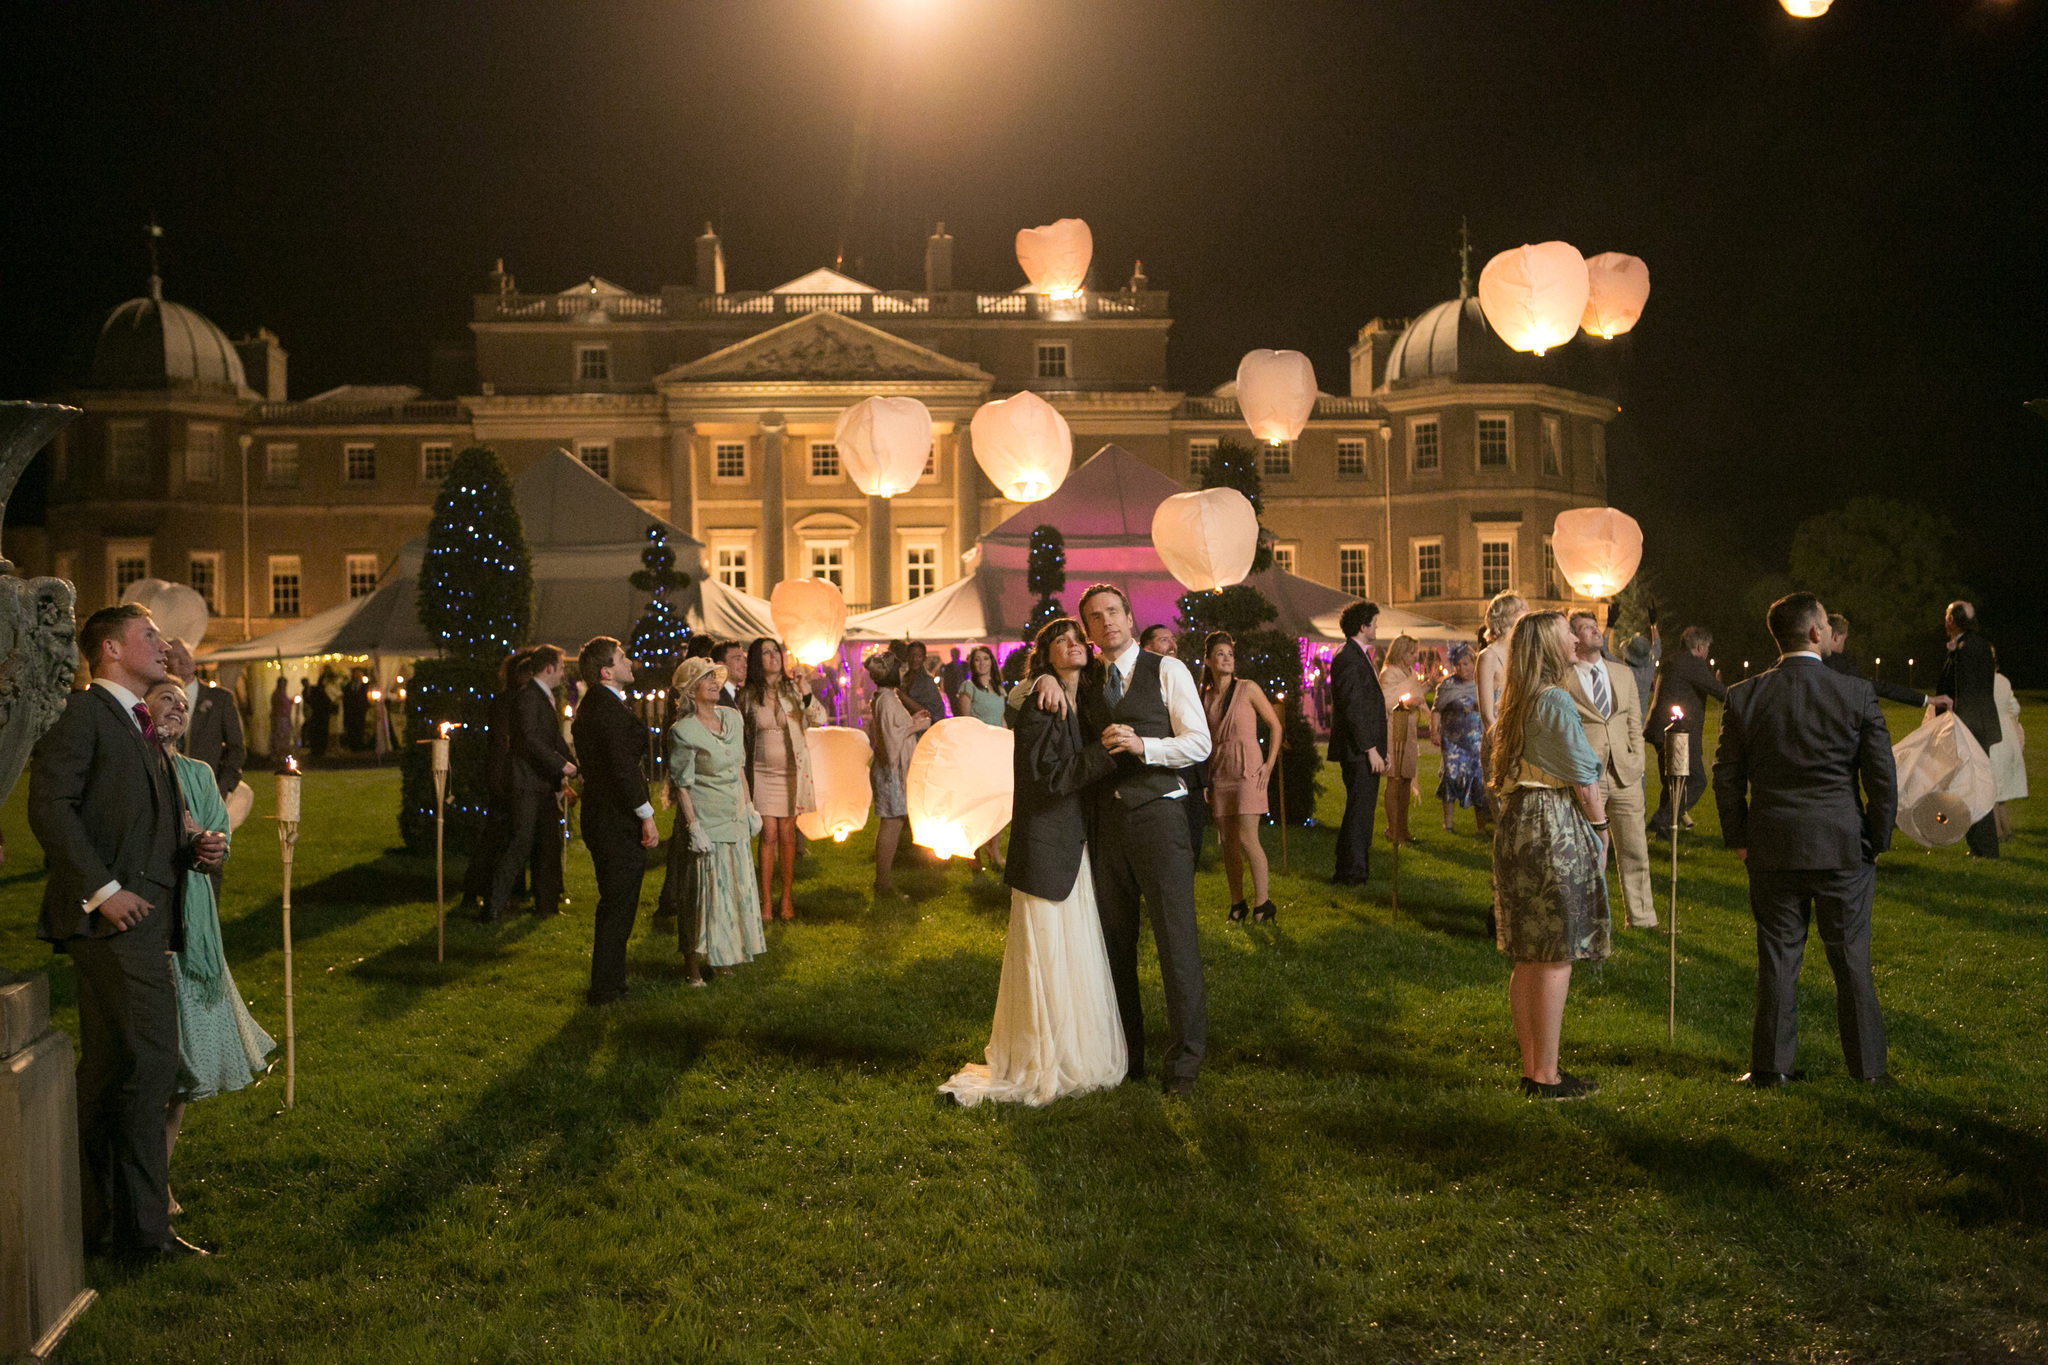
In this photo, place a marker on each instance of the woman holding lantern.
(778, 708)
(1549, 847)
(220, 1046)
(1057, 1031)
(707, 762)
(893, 730)
(1239, 772)
(1402, 690)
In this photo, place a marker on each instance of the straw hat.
(690, 672)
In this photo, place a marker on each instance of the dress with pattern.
(1549, 875)
(708, 764)
(1457, 709)
(220, 1046)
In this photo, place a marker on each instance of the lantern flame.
(291, 765)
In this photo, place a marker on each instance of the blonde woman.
(1549, 847)
(1502, 614)
(707, 767)
(777, 709)
(1404, 747)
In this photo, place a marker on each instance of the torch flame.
(446, 726)
(291, 765)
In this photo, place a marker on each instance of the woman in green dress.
(220, 1047)
(981, 696)
(707, 763)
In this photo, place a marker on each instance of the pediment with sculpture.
(824, 347)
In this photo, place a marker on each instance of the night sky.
(1842, 217)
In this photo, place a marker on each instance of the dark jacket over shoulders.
(104, 811)
(1049, 820)
(1890, 691)
(538, 753)
(1803, 775)
(215, 736)
(610, 742)
(1966, 680)
(1686, 681)
(1358, 709)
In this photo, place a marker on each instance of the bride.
(1056, 1028)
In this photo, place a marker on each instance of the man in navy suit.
(1358, 739)
(1807, 793)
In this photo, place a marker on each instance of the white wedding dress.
(1056, 1031)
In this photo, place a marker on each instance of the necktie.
(1600, 701)
(148, 725)
(1113, 685)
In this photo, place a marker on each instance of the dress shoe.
(177, 1249)
(1769, 1080)
(1884, 1082)
(1265, 912)
(1566, 1087)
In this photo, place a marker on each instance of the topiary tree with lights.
(661, 636)
(475, 596)
(1046, 575)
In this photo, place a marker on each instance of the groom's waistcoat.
(1143, 708)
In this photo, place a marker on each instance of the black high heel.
(1238, 911)
(1265, 913)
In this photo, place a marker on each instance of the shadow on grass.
(335, 901)
(401, 974)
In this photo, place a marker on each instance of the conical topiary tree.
(475, 595)
(661, 636)
(1046, 575)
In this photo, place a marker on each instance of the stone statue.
(38, 622)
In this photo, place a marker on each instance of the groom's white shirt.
(1189, 743)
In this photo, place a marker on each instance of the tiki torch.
(287, 838)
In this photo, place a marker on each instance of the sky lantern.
(1276, 392)
(179, 612)
(1597, 549)
(1619, 286)
(1534, 296)
(1055, 257)
(959, 786)
(1207, 539)
(1023, 445)
(840, 757)
(1945, 782)
(1806, 9)
(810, 616)
(884, 444)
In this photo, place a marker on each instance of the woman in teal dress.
(981, 696)
(220, 1047)
(707, 764)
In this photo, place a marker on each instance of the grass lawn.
(482, 1169)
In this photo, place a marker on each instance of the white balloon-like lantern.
(1534, 296)
(179, 612)
(1806, 9)
(1055, 257)
(884, 444)
(959, 786)
(810, 616)
(1618, 285)
(840, 757)
(1023, 445)
(1597, 549)
(1276, 393)
(1207, 539)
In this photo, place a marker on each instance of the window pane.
(729, 460)
(829, 563)
(732, 567)
(281, 463)
(1429, 570)
(1351, 459)
(204, 575)
(129, 569)
(1424, 440)
(1277, 462)
(1553, 446)
(1496, 566)
(1199, 455)
(435, 457)
(596, 457)
(1354, 569)
(360, 462)
(921, 573)
(824, 460)
(284, 585)
(1283, 558)
(202, 454)
(1493, 443)
(1052, 360)
(128, 451)
(593, 362)
(362, 575)
(1550, 569)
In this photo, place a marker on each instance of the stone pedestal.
(42, 1256)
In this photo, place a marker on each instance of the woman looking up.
(778, 709)
(893, 730)
(981, 696)
(1403, 693)
(1238, 771)
(707, 764)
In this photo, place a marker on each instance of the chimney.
(710, 263)
(1376, 341)
(938, 262)
(1138, 280)
(263, 361)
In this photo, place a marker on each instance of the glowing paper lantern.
(1276, 392)
(1806, 9)
(179, 612)
(810, 616)
(839, 782)
(1946, 782)
(959, 786)
(1619, 286)
(1055, 257)
(1023, 445)
(1534, 296)
(1597, 549)
(884, 444)
(1207, 539)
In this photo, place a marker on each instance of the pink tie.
(148, 725)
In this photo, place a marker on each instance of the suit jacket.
(1358, 708)
(1049, 820)
(1685, 680)
(537, 752)
(214, 736)
(1797, 741)
(106, 808)
(1966, 675)
(1617, 738)
(1890, 691)
(610, 743)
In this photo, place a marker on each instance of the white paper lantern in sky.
(1618, 287)
(839, 782)
(1806, 9)
(959, 786)
(1534, 296)
(1023, 445)
(884, 444)
(810, 616)
(1207, 539)
(179, 612)
(1597, 549)
(1055, 257)
(1276, 392)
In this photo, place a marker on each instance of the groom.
(1149, 716)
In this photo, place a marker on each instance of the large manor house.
(1432, 484)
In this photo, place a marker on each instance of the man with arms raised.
(105, 806)
(618, 819)
(1797, 742)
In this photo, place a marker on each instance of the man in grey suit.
(1797, 743)
(214, 736)
(104, 803)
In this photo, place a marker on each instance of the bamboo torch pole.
(288, 784)
(1677, 767)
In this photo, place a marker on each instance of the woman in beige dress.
(893, 729)
(777, 708)
(1238, 771)
(1403, 693)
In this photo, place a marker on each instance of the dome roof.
(148, 343)
(1454, 341)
